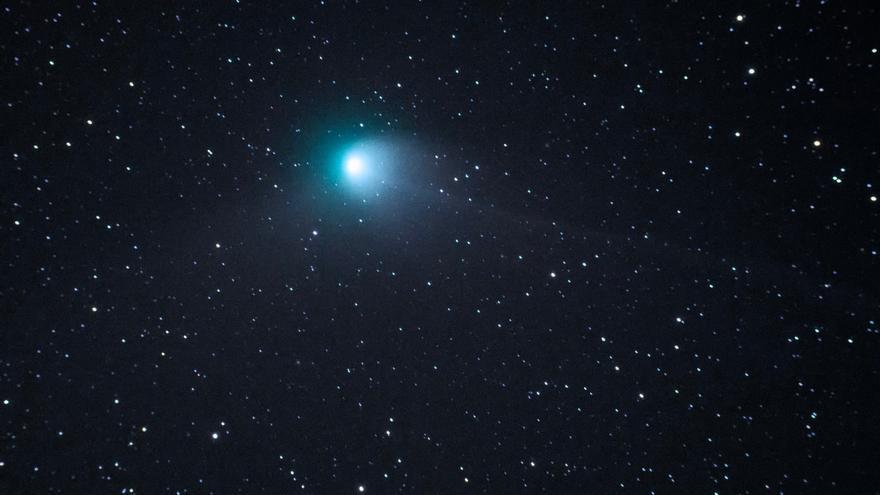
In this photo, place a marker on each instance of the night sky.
(426, 247)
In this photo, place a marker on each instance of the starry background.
(624, 248)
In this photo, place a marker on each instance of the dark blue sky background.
(621, 248)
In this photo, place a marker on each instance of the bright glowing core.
(354, 166)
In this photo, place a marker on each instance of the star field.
(438, 247)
